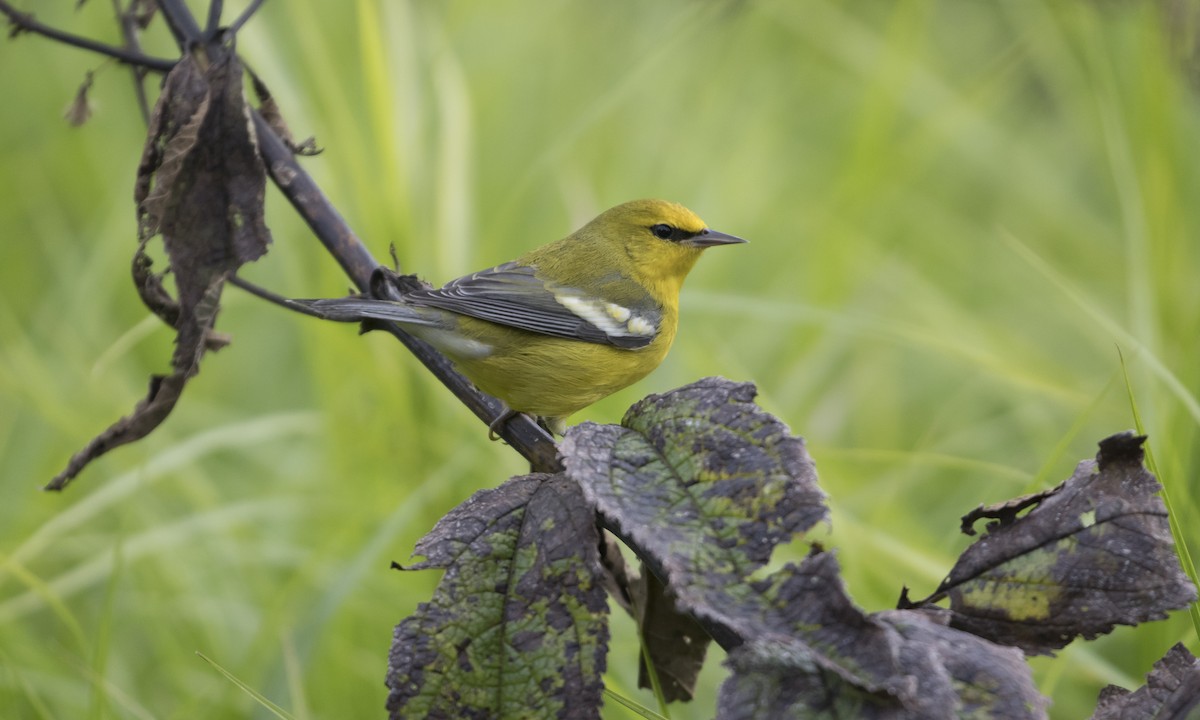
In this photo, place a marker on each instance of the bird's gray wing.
(512, 294)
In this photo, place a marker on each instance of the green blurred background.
(959, 213)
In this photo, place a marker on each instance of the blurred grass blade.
(1185, 555)
(248, 434)
(633, 706)
(258, 698)
(1106, 323)
(652, 673)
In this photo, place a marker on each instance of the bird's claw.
(499, 422)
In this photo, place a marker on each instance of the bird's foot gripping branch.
(704, 486)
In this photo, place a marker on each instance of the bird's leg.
(501, 419)
(553, 425)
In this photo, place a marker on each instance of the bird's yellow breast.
(551, 376)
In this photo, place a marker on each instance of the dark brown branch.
(327, 224)
(214, 18)
(245, 16)
(23, 22)
(183, 26)
(320, 214)
(306, 197)
(127, 19)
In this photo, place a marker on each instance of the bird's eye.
(662, 230)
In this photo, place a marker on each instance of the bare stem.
(214, 18)
(245, 16)
(24, 22)
(522, 433)
(183, 26)
(129, 31)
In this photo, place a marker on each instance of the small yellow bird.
(563, 325)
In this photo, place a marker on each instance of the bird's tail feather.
(356, 309)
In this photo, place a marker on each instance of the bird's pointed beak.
(708, 238)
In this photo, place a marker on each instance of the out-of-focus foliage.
(957, 213)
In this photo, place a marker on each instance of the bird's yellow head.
(662, 239)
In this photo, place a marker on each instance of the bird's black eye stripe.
(668, 232)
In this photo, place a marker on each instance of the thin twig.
(214, 19)
(246, 15)
(23, 22)
(183, 26)
(522, 433)
(129, 31)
